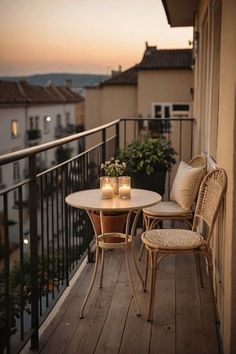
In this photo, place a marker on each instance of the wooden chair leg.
(146, 271)
(198, 268)
(136, 265)
(92, 282)
(102, 270)
(153, 285)
(210, 271)
(141, 252)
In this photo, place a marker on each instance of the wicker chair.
(162, 242)
(171, 210)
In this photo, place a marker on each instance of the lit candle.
(124, 191)
(107, 191)
(106, 187)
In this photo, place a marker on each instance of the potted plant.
(113, 222)
(148, 161)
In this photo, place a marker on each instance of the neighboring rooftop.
(24, 93)
(153, 59)
(127, 77)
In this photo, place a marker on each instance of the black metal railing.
(42, 240)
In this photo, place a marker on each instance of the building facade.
(32, 115)
(214, 45)
(159, 86)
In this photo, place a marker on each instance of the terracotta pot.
(112, 222)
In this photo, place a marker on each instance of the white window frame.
(170, 104)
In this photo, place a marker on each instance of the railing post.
(66, 191)
(7, 276)
(117, 148)
(103, 145)
(33, 251)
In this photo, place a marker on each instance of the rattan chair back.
(209, 199)
(199, 161)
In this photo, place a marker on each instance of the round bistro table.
(90, 200)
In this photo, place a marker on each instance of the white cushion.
(186, 184)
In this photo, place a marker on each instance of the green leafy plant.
(148, 156)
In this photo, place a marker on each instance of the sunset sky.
(81, 36)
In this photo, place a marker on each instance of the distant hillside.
(78, 80)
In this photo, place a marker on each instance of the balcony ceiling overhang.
(180, 12)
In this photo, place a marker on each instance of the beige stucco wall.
(119, 101)
(226, 159)
(163, 86)
(79, 113)
(93, 105)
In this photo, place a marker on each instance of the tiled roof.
(127, 77)
(166, 59)
(24, 93)
(153, 59)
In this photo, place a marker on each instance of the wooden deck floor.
(183, 318)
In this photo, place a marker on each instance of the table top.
(91, 199)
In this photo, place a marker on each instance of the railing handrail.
(17, 155)
(179, 119)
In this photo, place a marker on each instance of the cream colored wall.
(163, 86)
(225, 156)
(93, 106)
(119, 101)
(226, 159)
(79, 113)
(93, 118)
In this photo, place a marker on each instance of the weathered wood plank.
(208, 315)
(87, 332)
(190, 336)
(183, 320)
(163, 327)
(137, 330)
(70, 328)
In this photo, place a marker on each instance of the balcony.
(183, 315)
(52, 242)
(33, 134)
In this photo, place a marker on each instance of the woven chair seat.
(169, 208)
(172, 239)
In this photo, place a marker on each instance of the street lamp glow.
(48, 119)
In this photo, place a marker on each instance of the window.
(15, 132)
(58, 120)
(208, 78)
(34, 123)
(171, 110)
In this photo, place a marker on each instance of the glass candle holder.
(124, 187)
(115, 184)
(106, 187)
